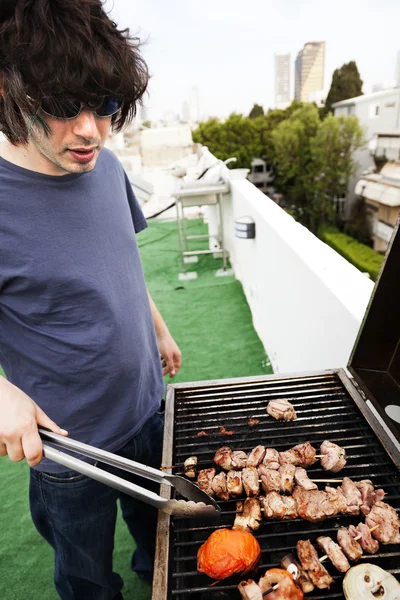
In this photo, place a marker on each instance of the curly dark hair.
(65, 48)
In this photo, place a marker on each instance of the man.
(80, 338)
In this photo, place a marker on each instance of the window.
(373, 110)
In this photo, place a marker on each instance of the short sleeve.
(138, 218)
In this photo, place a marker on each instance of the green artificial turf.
(211, 321)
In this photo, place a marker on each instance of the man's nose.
(85, 125)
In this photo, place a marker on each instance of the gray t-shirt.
(76, 330)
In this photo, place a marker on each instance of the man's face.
(71, 146)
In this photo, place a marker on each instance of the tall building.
(282, 80)
(309, 70)
(397, 75)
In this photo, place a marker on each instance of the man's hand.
(19, 420)
(171, 356)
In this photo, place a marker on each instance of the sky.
(226, 47)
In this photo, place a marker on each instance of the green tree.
(256, 111)
(237, 136)
(346, 83)
(314, 161)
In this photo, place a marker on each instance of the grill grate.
(325, 410)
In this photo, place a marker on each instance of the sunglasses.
(66, 109)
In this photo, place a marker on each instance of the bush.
(361, 256)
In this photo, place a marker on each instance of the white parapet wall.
(306, 300)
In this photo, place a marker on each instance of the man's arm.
(171, 356)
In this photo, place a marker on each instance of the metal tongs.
(198, 504)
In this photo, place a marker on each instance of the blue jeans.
(76, 516)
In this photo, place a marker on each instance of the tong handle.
(103, 476)
(103, 456)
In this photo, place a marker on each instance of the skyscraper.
(282, 80)
(397, 76)
(309, 70)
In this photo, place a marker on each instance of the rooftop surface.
(211, 321)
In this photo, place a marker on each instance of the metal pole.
(221, 225)
(178, 218)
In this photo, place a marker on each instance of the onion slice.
(370, 582)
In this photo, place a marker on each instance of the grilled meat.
(348, 544)
(278, 507)
(368, 495)
(302, 455)
(248, 517)
(222, 457)
(281, 409)
(287, 589)
(219, 486)
(271, 458)
(302, 479)
(270, 479)
(367, 542)
(249, 590)
(189, 467)
(309, 560)
(256, 456)
(313, 505)
(238, 459)
(250, 481)
(290, 563)
(234, 483)
(204, 480)
(352, 495)
(334, 553)
(384, 515)
(337, 500)
(334, 458)
(287, 478)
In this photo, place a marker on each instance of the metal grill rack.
(327, 408)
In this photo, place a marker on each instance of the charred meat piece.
(219, 486)
(222, 457)
(249, 590)
(313, 505)
(367, 542)
(384, 515)
(248, 517)
(204, 480)
(302, 455)
(287, 478)
(278, 507)
(290, 563)
(348, 544)
(287, 589)
(309, 561)
(368, 495)
(250, 481)
(238, 459)
(271, 458)
(352, 495)
(334, 553)
(189, 467)
(302, 479)
(281, 410)
(270, 479)
(256, 456)
(234, 483)
(334, 458)
(337, 500)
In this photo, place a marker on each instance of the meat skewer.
(309, 561)
(281, 410)
(189, 467)
(333, 456)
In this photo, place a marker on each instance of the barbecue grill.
(357, 408)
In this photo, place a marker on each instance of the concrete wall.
(307, 301)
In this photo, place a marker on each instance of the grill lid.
(375, 359)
